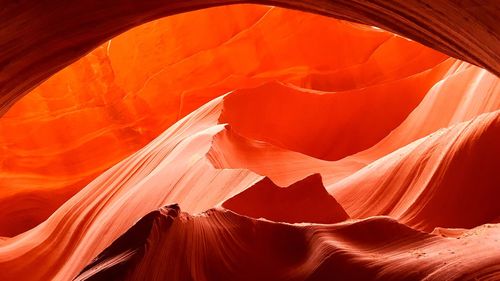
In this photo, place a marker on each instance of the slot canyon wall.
(307, 140)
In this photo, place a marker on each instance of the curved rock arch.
(37, 39)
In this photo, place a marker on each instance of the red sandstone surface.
(249, 142)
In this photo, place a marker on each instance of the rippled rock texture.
(250, 142)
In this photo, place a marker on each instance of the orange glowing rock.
(119, 97)
(303, 201)
(298, 147)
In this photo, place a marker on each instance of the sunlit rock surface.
(297, 147)
(122, 95)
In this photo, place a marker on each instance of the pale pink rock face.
(249, 142)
